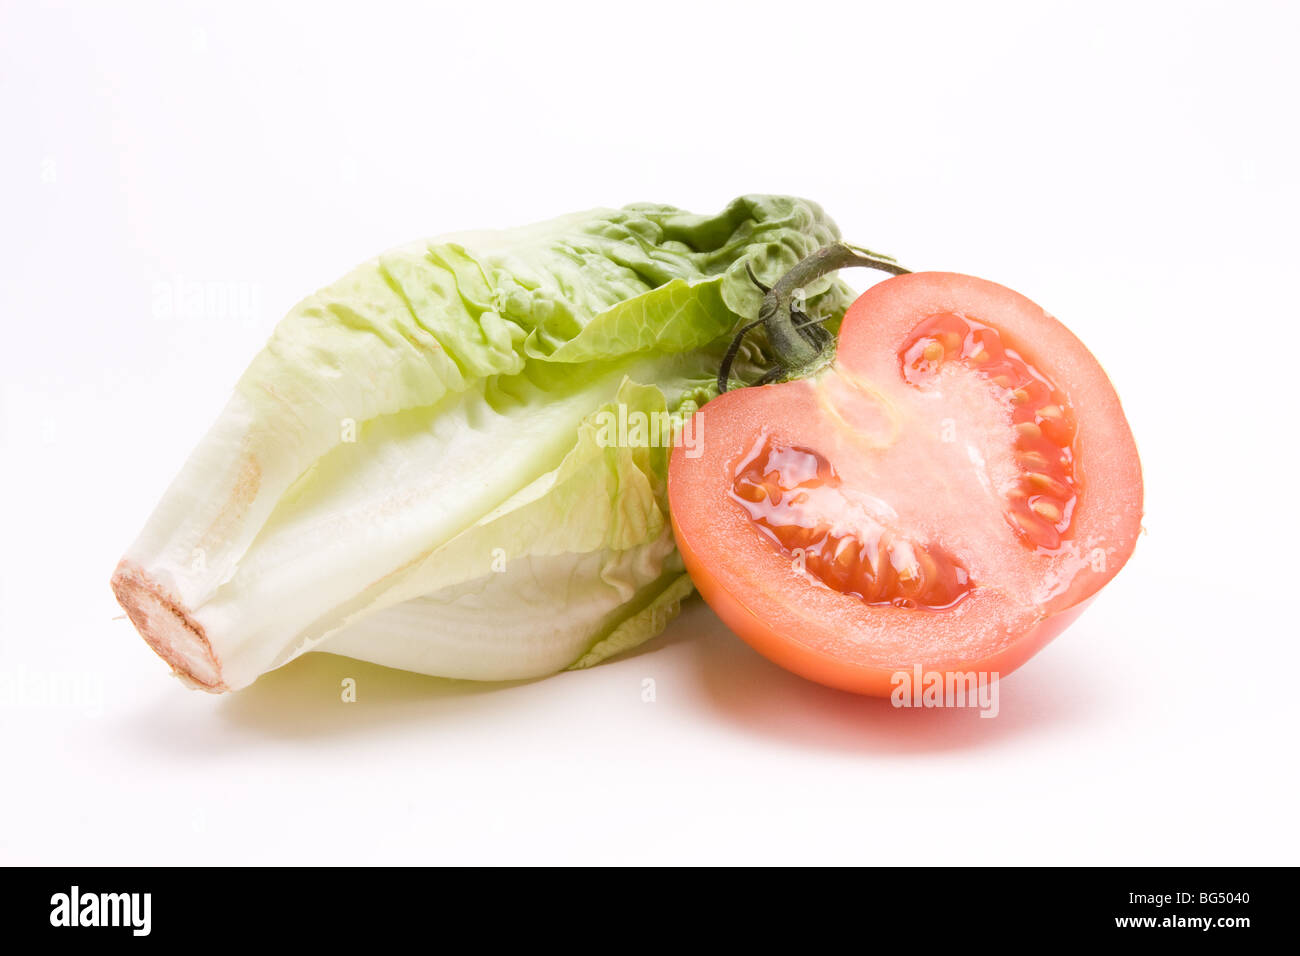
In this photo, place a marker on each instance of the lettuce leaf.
(417, 469)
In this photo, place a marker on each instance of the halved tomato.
(949, 493)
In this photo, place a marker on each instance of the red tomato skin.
(835, 672)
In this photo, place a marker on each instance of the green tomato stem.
(798, 341)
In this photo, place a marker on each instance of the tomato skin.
(846, 675)
(808, 632)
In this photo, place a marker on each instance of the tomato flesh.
(1043, 498)
(796, 498)
(949, 493)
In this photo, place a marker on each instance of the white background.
(1131, 167)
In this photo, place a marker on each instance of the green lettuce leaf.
(416, 470)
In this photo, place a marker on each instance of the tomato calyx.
(799, 342)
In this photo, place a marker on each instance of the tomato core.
(1041, 502)
(839, 537)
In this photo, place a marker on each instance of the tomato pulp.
(949, 493)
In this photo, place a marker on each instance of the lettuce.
(429, 466)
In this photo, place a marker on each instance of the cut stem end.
(168, 628)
